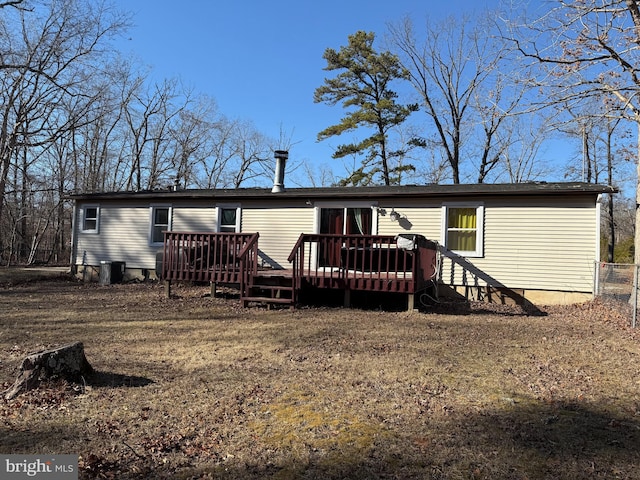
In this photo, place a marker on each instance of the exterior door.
(331, 222)
(346, 221)
(341, 221)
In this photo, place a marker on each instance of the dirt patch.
(195, 387)
(17, 275)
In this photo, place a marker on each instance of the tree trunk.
(610, 221)
(66, 362)
(636, 242)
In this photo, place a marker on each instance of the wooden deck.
(379, 263)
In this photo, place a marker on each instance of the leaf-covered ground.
(195, 387)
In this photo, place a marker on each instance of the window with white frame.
(160, 223)
(229, 218)
(351, 219)
(90, 218)
(462, 228)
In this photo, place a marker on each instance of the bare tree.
(74, 117)
(148, 114)
(223, 149)
(591, 123)
(319, 176)
(521, 160)
(12, 3)
(597, 124)
(253, 154)
(456, 70)
(589, 48)
(96, 146)
(445, 78)
(495, 104)
(236, 154)
(48, 52)
(193, 139)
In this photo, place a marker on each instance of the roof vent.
(281, 157)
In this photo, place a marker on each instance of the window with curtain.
(341, 221)
(349, 221)
(463, 229)
(227, 219)
(358, 221)
(331, 220)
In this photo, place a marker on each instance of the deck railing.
(351, 262)
(360, 262)
(207, 257)
(248, 257)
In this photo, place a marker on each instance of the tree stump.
(66, 362)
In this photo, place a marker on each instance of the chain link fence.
(618, 283)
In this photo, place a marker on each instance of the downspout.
(74, 246)
(596, 264)
(598, 226)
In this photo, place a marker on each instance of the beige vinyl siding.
(546, 247)
(418, 219)
(541, 247)
(124, 232)
(279, 229)
(529, 243)
(123, 237)
(194, 218)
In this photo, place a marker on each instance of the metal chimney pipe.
(281, 157)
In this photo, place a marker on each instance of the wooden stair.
(269, 289)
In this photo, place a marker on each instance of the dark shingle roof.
(403, 191)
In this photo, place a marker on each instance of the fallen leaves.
(226, 392)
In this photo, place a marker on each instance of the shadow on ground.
(110, 379)
(532, 441)
(525, 439)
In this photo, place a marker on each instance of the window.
(90, 219)
(349, 221)
(229, 218)
(160, 222)
(463, 229)
(337, 219)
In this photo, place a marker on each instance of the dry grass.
(196, 387)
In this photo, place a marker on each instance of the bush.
(623, 252)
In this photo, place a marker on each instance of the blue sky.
(262, 61)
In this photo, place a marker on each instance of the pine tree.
(363, 88)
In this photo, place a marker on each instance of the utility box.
(111, 272)
(159, 259)
(117, 271)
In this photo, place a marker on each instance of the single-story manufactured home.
(534, 243)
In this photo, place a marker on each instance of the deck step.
(270, 290)
(267, 300)
(272, 280)
(286, 288)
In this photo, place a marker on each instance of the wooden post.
(213, 289)
(167, 288)
(410, 302)
(347, 298)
